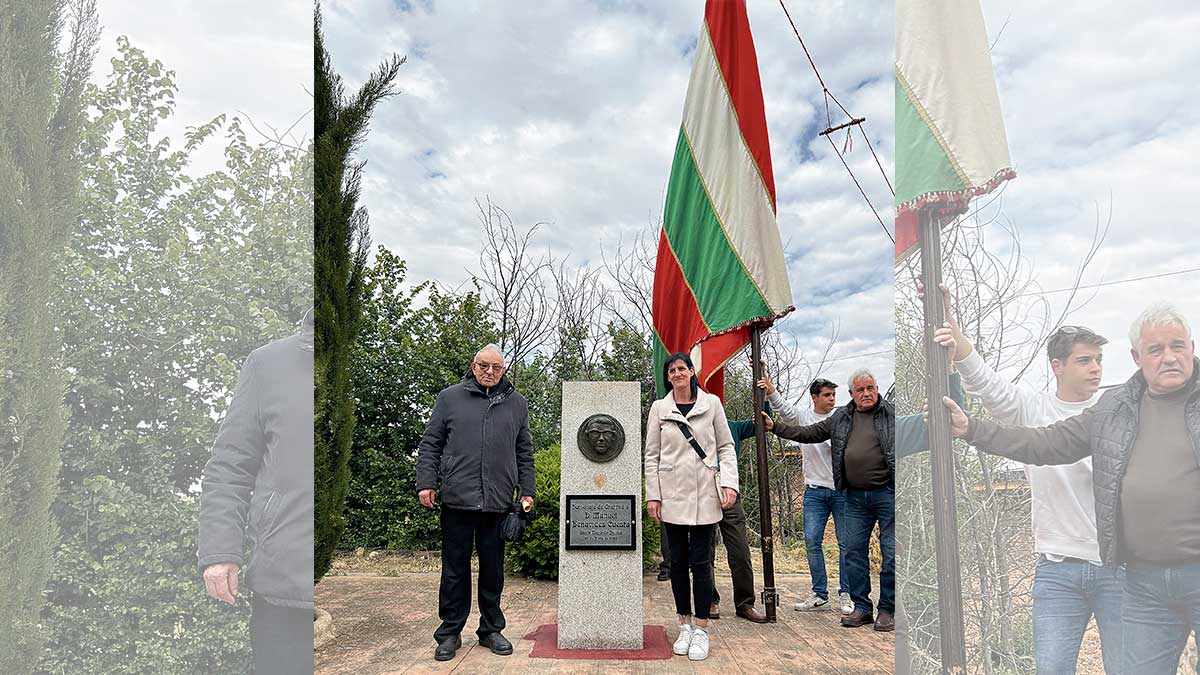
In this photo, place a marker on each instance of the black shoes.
(447, 648)
(664, 575)
(497, 643)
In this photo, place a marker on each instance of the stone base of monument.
(600, 534)
(655, 646)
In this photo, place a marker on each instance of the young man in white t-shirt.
(1070, 585)
(821, 500)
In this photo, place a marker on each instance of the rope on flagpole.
(863, 193)
(854, 121)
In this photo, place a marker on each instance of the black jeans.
(664, 548)
(462, 531)
(281, 639)
(737, 550)
(691, 543)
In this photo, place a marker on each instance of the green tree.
(630, 358)
(340, 251)
(170, 281)
(403, 357)
(41, 112)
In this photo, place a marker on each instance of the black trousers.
(737, 549)
(281, 639)
(691, 543)
(462, 531)
(664, 548)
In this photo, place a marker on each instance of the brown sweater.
(1160, 493)
(866, 468)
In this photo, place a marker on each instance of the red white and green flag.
(950, 141)
(720, 265)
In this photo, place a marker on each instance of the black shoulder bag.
(691, 439)
(687, 433)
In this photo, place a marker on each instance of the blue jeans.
(1065, 596)
(819, 504)
(863, 510)
(1161, 606)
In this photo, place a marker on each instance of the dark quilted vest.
(1113, 429)
(840, 426)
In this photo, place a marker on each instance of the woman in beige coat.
(686, 491)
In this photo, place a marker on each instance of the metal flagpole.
(770, 598)
(941, 455)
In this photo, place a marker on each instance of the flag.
(720, 266)
(950, 141)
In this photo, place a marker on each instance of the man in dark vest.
(477, 450)
(862, 437)
(1144, 441)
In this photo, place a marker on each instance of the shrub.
(382, 510)
(651, 539)
(536, 555)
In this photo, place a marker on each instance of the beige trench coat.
(675, 474)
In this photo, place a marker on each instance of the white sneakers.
(814, 602)
(692, 641)
(811, 603)
(684, 641)
(699, 649)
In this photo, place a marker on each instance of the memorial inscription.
(600, 522)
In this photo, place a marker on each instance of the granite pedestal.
(600, 587)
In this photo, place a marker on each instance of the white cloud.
(1101, 120)
(567, 112)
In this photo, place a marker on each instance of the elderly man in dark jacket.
(478, 448)
(258, 485)
(862, 436)
(1144, 441)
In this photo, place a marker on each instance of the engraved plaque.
(601, 438)
(600, 523)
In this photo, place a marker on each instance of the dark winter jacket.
(836, 429)
(476, 448)
(258, 484)
(1106, 432)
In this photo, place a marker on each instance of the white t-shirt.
(1064, 505)
(818, 461)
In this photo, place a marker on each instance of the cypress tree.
(41, 112)
(340, 250)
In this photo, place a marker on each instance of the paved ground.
(385, 625)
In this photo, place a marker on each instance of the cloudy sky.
(567, 113)
(1102, 117)
(253, 59)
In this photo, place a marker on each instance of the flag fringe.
(955, 199)
(768, 320)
